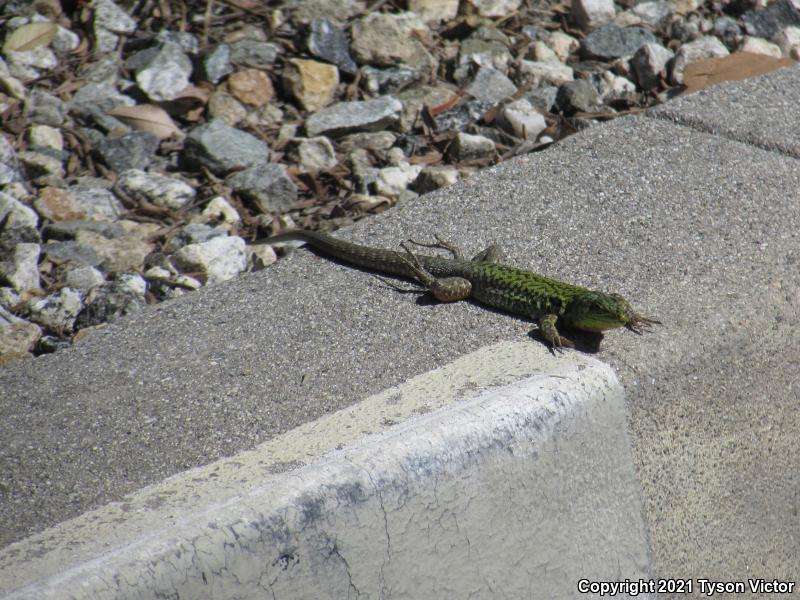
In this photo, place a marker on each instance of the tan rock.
(56, 204)
(251, 86)
(313, 84)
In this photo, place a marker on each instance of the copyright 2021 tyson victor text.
(706, 587)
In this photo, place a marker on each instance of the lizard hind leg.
(445, 289)
(440, 244)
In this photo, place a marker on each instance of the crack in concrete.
(702, 127)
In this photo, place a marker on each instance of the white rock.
(220, 258)
(615, 86)
(590, 14)
(543, 53)
(31, 63)
(313, 154)
(434, 11)
(548, 73)
(161, 190)
(21, 215)
(563, 45)
(260, 256)
(20, 266)
(523, 120)
(467, 147)
(391, 180)
(46, 136)
(756, 45)
(789, 41)
(495, 8)
(57, 311)
(704, 47)
(219, 209)
(649, 64)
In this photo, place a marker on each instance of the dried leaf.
(734, 67)
(149, 118)
(31, 36)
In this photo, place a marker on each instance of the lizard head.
(598, 311)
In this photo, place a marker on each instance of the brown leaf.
(31, 36)
(734, 67)
(149, 118)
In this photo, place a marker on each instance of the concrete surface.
(469, 486)
(691, 213)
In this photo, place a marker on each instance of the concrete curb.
(518, 482)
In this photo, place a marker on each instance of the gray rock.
(388, 81)
(611, 41)
(329, 43)
(655, 12)
(193, 233)
(9, 165)
(268, 186)
(469, 147)
(109, 20)
(134, 150)
(14, 214)
(649, 64)
(577, 96)
(43, 108)
(376, 141)
(254, 54)
(483, 53)
(160, 190)
(543, 98)
(57, 311)
(41, 168)
(220, 148)
(685, 30)
(98, 97)
(727, 29)
(83, 278)
(221, 258)
(304, 11)
(123, 296)
(349, 117)
(73, 252)
(490, 85)
(164, 73)
(187, 41)
(768, 22)
(386, 40)
(462, 115)
(217, 63)
(67, 230)
(97, 203)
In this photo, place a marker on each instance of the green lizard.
(489, 282)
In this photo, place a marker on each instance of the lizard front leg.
(547, 326)
(446, 289)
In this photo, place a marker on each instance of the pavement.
(691, 210)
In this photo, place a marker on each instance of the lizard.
(489, 282)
